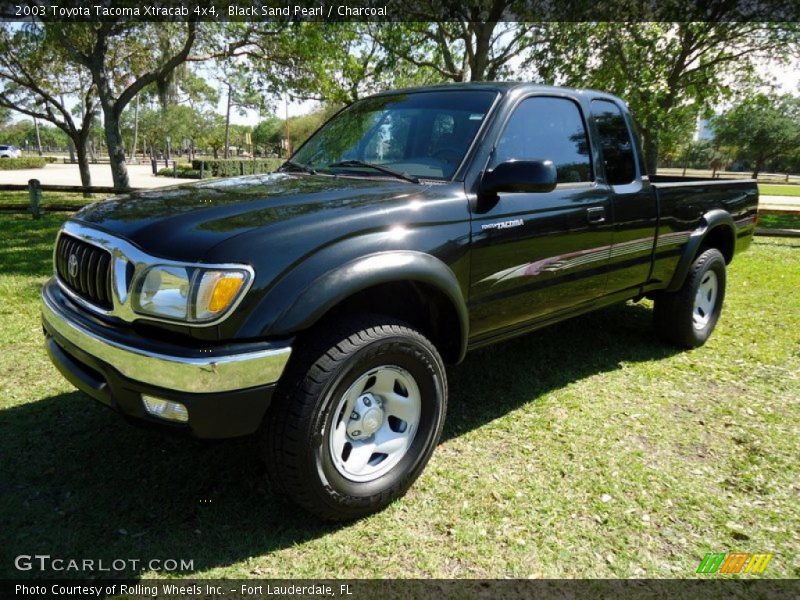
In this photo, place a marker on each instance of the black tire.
(674, 311)
(324, 365)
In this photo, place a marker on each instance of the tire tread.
(672, 311)
(319, 356)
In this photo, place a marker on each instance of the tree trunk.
(226, 150)
(758, 166)
(685, 161)
(71, 148)
(83, 163)
(480, 59)
(650, 152)
(116, 150)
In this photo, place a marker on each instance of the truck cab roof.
(505, 88)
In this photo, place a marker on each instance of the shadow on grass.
(27, 247)
(496, 379)
(78, 481)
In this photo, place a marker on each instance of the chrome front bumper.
(189, 374)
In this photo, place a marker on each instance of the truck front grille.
(88, 274)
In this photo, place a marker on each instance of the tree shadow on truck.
(78, 481)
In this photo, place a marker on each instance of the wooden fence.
(35, 189)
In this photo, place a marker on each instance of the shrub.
(184, 171)
(24, 162)
(231, 167)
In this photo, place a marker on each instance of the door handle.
(596, 214)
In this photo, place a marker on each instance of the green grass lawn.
(587, 449)
(768, 221)
(778, 190)
(58, 198)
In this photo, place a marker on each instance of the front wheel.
(687, 317)
(360, 414)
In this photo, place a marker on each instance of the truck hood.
(185, 222)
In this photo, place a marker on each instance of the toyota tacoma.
(318, 305)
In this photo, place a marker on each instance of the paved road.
(780, 202)
(141, 176)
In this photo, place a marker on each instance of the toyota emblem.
(72, 266)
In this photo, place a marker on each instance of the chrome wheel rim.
(374, 423)
(705, 300)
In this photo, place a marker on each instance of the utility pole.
(288, 139)
(38, 137)
(135, 127)
(226, 154)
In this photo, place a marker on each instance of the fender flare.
(710, 220)
(330, 289)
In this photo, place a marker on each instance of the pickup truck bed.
(695, 204)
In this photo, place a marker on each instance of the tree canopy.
(670, 73)
(761, 127)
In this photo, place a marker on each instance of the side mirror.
(520, 176)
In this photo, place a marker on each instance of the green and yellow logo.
(734, 562)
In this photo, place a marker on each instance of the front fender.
(710, 220)
(334, 287)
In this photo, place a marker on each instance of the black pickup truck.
(318, 305)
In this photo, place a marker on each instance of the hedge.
(24, 162)
(183, 171)
(235, 166)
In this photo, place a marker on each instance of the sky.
(787, 77)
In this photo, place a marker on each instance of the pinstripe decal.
(561, 262)
(672, 239)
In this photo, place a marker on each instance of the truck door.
(635, 209)
(538, 254)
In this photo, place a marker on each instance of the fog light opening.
(165, 409)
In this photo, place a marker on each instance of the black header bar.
(401, 10)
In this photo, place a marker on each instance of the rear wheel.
(359, 416)
(688, 316)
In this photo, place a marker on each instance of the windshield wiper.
(381, 168)
(300, 166)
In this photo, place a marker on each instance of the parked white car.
(10, 151)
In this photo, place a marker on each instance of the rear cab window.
(616, 143)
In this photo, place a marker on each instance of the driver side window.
(547, 128)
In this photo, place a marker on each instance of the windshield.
(420, 134)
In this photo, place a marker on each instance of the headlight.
(192, 294)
